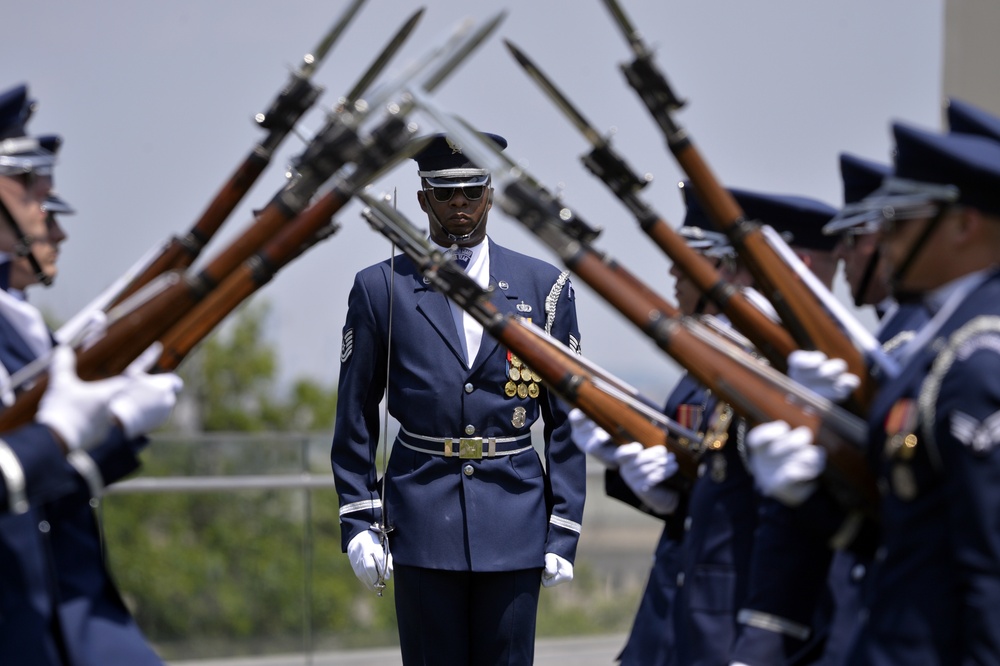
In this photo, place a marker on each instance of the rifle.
(755, 390)
(384, 150)
(77, 328)
(601, 397)
(294, 99)
(773, 341)
(806, 308)
(149, 314)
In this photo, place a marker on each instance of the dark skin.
(965, 240)
(457, 216)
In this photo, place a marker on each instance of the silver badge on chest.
(519, 417)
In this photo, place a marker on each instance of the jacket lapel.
(436, 309)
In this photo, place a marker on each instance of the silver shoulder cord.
(383, 527)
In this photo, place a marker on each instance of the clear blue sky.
(155, 102)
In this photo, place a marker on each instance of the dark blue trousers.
(466, 617)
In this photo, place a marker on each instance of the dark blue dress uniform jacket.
(804, 599)
(651, 641)
(849, 566)
(493, 514)
(933, 593)
(58, 603)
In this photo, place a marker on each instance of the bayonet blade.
(312, 60)
(632, 36)
(383, 59)
(556, 95)
(461, 51)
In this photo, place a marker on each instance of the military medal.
(533, 390)
(717, 433)
(522, 391)
(900, 447)
(517, 420)
(689, 416)
(513, 375)
(535, 377)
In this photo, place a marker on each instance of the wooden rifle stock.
(800, 309)
(773, 341)
(297, 96)
(285, 111)
(755, 390)
(386, 149)
(573, 383)
(150, 313)
(161, 302)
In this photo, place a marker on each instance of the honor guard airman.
(468, 521)
(58, 604)
(931, 594)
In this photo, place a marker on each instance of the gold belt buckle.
(470, 448)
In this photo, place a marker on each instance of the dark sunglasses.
(444, 194)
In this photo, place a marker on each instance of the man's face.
(857, 251)
(686, 293)
(691, 301)
(24, 197)
(896, 243)
(458, 215)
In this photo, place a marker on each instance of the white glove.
(77, 411)
(145, 403)
(644, 470)
(784, 462)
(592, 439)
(557, 570)
(825, 376)
(368, 558)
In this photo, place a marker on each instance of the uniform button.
(468, 470)
(680, 579)
(470, 430)
(687, 523)
(858, 572)
(44, 527)
(468, 388)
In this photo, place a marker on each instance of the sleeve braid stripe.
(553, 299)
(566, 524)
(360, 506)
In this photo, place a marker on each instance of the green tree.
(229, 382)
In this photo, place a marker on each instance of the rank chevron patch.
(347, 346)
(980, 436)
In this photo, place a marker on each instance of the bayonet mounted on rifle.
(312, 60)
(803, 309)
(388, 51)
(603, 161)
(294, 99)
